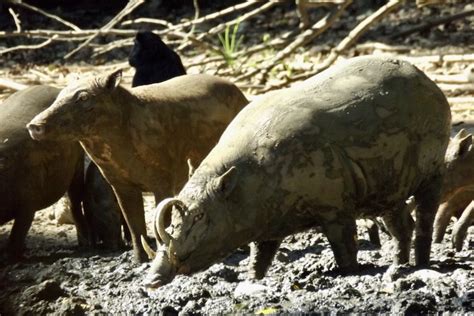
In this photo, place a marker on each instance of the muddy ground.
(59, 278)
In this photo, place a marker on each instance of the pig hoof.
(140, 257)
(156, 280)
(349, 270)
(152, 284)
(12, 256)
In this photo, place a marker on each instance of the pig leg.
(342, 236)
(261, 256)
(76, 195)
(461, 226)
(400, 225)
(131, 203)
(444, 214)
(373, 231)
(427, 199)
(16, 242)
(302, 13)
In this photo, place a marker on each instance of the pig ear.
(464, 146)
(461, 134)
(113, 79)
(226, 183)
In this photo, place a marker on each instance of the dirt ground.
(57, 277)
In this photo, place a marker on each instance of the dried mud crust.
(56, 277)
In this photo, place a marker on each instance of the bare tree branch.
(15, 19)
(216, 15)
(430, 24)
(355, 34)
(301, 40)
(131, 5)
(9, 84)
(42, 12)
(148, 20)
(23, 47)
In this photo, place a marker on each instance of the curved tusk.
(161, 211)
(149, 251)
(190, 168)
(155, 224)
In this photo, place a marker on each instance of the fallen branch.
(430, 24)
(343, 45)
(16, 20)
(458, 101)
(439, 59)
(215, 15)
(363, 26)
(462, 109)
(131, 5)
(301, 40)
(42, 76)
(450, 79)
(48, 33)
(382, 47)
(197, 12)
(19, 3)
(20, 47)
(9, 84)
(204, 61)
(194, 40)
(111, 46)
(241, 18)
(148, 20)
(468, 87)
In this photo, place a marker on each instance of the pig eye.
(83, 96)
(198, 217)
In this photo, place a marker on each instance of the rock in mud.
(48, 290)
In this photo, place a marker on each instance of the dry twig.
(103, 49)
(242, 18)
(430, 24)
(20, 3)
(15, 19)
(23, 47)
(40, 33)
(131, 5)
(301, 40)
(215, 15)
(344, 44)
(194, 40)
(9, 84)
(148, 20)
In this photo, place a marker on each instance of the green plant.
(230, 43)
(289, 69)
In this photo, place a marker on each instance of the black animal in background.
(102, 211)
(153, 61)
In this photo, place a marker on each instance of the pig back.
(374, 128)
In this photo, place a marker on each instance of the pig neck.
(241, 215)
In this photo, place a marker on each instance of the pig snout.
(36, 130)
(162, 271)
